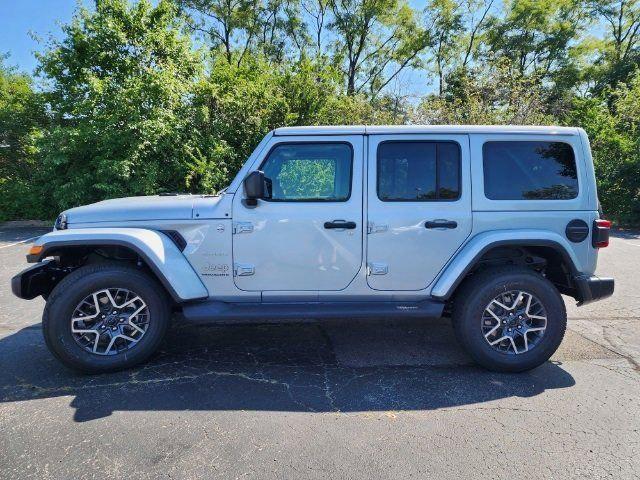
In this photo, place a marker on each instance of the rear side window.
(418, 171)
(515, 170)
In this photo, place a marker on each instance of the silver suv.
(488, 225)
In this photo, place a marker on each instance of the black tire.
(479, 290)
(56, 319)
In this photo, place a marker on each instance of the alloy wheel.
(110, 321)
(514, 322)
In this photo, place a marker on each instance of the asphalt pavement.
(386, 399)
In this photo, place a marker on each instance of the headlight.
(61, 222)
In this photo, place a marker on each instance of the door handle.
(440, 224)
(340, 224)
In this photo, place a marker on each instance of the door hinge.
(378, 268)
(373, 228)
(243, 269)
(242, 227)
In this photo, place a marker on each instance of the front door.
(419, 207)
(308, 235)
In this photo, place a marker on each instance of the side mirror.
(254, 187)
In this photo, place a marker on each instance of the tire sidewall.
(62, 304)
(470, 326)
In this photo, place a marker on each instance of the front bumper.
(39, 279)
(592, 288)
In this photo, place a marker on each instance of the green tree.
(119, 83)
(536, 35)
(447, 26)
(456, 28)
(22, 118)
(615, 143)
(317, 12)
(128, 106)
(375, 41)
(242, 27)
(617, 53)
(228, 24)
(498, 96)
(236, 105)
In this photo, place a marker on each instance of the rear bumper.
(592, 288)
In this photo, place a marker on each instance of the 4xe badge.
(216, 270)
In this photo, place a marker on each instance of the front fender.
(158, 251)
(471, 252)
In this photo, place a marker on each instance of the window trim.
(484, 174)
(434, 200)
(315, 142)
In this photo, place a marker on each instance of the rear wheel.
(105, 317)
(509, 319)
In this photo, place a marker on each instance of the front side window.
(521, 170)
(414, 171)
(309, 172)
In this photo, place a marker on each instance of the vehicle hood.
(175, 207)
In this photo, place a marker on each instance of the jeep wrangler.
(487, 225)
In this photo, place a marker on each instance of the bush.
(21, 121)
(615, 143)
(119, 81)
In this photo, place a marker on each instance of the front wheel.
(509, 319)
(105, 317)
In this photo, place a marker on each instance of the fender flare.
(469, 254)
(158, 251)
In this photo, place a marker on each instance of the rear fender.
(472, 251)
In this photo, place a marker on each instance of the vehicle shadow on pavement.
(339, 366)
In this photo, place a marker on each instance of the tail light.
(600, 237)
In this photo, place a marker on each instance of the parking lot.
(341, 399)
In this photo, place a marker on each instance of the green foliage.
(235, 106)
(127, 105)
(119, 84)
(307, 178)
(615, 142)
(21, 120)
(497, 96)
(535, 35)
(616, 55)
(376, 40)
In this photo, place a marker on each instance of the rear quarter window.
(529, 170)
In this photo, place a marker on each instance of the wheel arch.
(152, 249)
(549, 246)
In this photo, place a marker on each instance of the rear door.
(419, 207)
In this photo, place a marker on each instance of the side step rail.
(222, 312)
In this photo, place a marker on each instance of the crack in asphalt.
(609, 344)
(132, 381)
(198, 357)
(606, 333)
